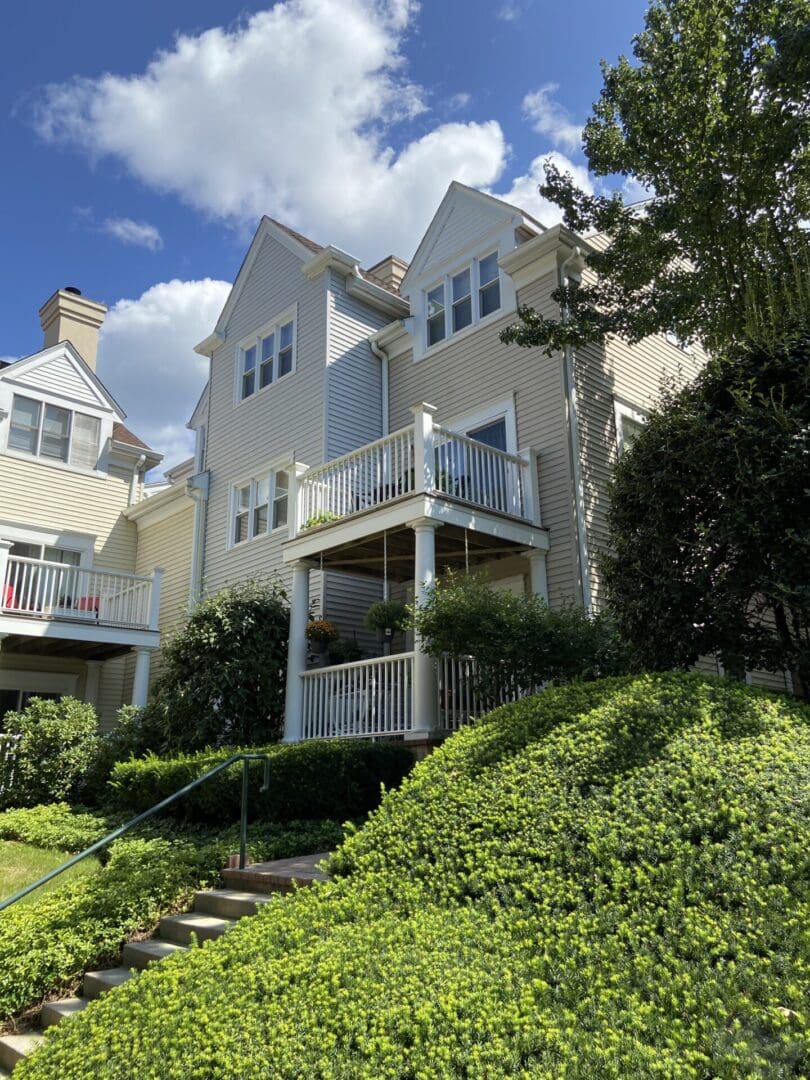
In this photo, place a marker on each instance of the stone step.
(14, 1048)
(280, 875)
(97, 983)
(229, 903)
(179, 928)
(54, 1012)
(140, 954)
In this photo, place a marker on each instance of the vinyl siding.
(468, 220)
(463, 377)
(61, 375)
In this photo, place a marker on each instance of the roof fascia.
(36, 360)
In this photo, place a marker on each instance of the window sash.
(267, 359)
(54, 432)
(85, 435)
(281, 485)
(258, 507)
(24, 429)
(462, 299)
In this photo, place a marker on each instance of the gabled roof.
(456, 195)
(69, 377)
(122, 434)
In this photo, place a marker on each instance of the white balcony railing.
(370, 697)
(35, 588)
(421, 458)
(460, 697)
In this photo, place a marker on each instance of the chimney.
(69, 316)
(389, 271)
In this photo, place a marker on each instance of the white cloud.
(137, 233)
(549, 118)
(510, 11)
(289, 113)
(524, 191)
(147, 359)
(459, 101)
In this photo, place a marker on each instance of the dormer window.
(266, 357)
(462, 299)
(53, 432)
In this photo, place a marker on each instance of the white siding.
(60, 375)
(468, 220)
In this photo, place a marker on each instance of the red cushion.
(9, 600)
(88, 603)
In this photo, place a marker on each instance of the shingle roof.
(124, 435)
(310, 244)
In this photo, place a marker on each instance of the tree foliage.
(222, 679)
(710, 520)
(713, 118)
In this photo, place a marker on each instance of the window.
(257, 503)
(492, 434)
(680, 343)
(24, 550)
(51, 431)
(268, 357)
(462, 299)
(629, 424)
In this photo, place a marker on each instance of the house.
(80, 583)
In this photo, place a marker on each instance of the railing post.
(243, 816)
(296, 653)
(424, 463)
(5, 548)
(295, 471)
(531, 486)
(154, 598)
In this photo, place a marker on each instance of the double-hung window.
(629, 425)
(462, 299)
(258, 506)
(53, 432)
(267, 357)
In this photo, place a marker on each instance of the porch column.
(92, 680)
(425, 698)
(296, 653)
(140, 681)
(538, 578)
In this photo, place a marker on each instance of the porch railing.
(370, 697)
(460, 695)
(476, 473)
(40, 589)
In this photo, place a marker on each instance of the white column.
(425, 699)
(154, 598)
(423, 465)
(296, 653)
(140, 682)
(92, 680)
(538, 578)
(295, 470)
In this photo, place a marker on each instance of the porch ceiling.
(455, 548)
(62, 647)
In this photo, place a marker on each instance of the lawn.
(21, 864)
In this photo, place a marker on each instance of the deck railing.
(367, 698)
(476, 473)
(460, 694)
(37, 588)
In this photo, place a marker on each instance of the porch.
(403, 510)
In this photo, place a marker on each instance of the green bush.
(610, 880)
(57, 747)
(56, 826)
(309, 780)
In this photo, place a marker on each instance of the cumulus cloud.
(147, 359)
(549, 118)
(291, 112)
(524, 190)
(136, 233)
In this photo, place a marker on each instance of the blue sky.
(142, 142)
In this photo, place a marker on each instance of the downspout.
(133, 484)
(574, 447)
(382, 356)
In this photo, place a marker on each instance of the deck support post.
(538, 577)
(140, 682)
(296, 653)
(425, 696)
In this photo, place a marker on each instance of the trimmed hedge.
(47, 945)
(610, 880)
(312, 780)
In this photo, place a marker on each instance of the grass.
(20, 864)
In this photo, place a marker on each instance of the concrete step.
(280, 875)
(54, 1012)
(14, 1048)
(97, 983)
(179, 928)
(228, 903)
(140, 954)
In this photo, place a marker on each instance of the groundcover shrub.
(610, 880)
(338, 779)
(56, 826)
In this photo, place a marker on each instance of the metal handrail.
(244, 758)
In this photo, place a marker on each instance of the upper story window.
(463, 298)
(629, 425)
(680, 343)
(50, 431)
(258, 506)
(267, 357)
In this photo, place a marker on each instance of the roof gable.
(60, 372)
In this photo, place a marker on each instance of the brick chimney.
(69, 316)
(389, 271)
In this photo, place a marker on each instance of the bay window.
(54, 432)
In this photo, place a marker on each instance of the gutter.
(574, 447)
(133, 484)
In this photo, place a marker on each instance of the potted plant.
(344, 651)
(386, 617)
(320, 635)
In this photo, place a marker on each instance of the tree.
(713, 118)
(222, 679)
(710, 520)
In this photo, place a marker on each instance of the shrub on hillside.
(56, 826)
(516, 641)
(58, 744)
(608, 880)
(319, 779)
(222, 675)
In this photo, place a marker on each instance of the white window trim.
(446, 282)
(623, 411)
(269, 474)
(31, 534)
(272, 327)
(488, 414)
(43, 459)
